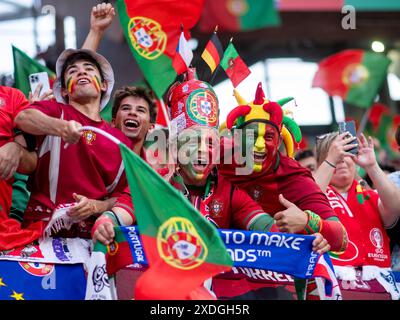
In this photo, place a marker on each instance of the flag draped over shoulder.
(239, 15)
(182, 248)
(152, 29)
(354, 75)
(234, 66)
(23, 67)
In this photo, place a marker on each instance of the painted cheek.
(260, 142)
(71, 85)
(96, 83)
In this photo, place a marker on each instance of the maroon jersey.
(93, 167)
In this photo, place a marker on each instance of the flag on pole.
(183, 249)
(213, 52)
(183, 56)
(152, 29)
(354, 75)
(23, 67)
(234, 66)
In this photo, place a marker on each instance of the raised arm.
(101, 18)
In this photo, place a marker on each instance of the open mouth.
(83, 81)
(200, 165)
(131, 124)
(259, 157)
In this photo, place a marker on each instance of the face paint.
(96, 83)
(201, 150)
(266, 142)
(71, 85)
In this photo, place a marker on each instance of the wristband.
(331, 164)
(113, 216)
(314, 223)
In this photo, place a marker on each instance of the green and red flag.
(234, 66)
(183, 249)
(213, 52)
(23, 67)
(354, 75)
(382, 124)
(152, 29)
(238, 15)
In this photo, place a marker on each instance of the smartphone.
(349, 126)
(36, 78)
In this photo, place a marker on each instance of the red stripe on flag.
(238, 71)
(212, 50)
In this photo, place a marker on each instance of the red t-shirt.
(11, 102)
(92, 167)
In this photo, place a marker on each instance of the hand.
(320, 244)
(83, 209)
(10, 155)
(366, 155)
(70, 131)
(35, 96)
(101, 17)
(103, 230)
(339, 147)
(291, 220)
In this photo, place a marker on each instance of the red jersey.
(93, 167)
(288, 178)
(226, 205)
(368, 241)
(11, 102)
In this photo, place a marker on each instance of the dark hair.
(76, 57)
(137, 92)
(303, 154)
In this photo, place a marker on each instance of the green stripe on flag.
(159, 72)
(370, 75)
(260, 14)
(157, 202)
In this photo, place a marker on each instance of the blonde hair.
(322, 145)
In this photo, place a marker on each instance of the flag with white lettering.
(262, 251)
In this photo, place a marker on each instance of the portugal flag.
(354, 75)
(238, 15)
(152, 29)
(23, 67)
(234, 66)
(183, 249)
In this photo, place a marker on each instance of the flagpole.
(364, 121)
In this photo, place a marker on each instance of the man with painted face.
(194, 114)
(79, 171)
(278, 183)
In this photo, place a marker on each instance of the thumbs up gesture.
(292, 219)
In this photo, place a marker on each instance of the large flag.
(183, 249)
(183, 56)
(234, 66)
(354, 75)
(23, 67)
(152, 29)
(238, 15)
(213, 52)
